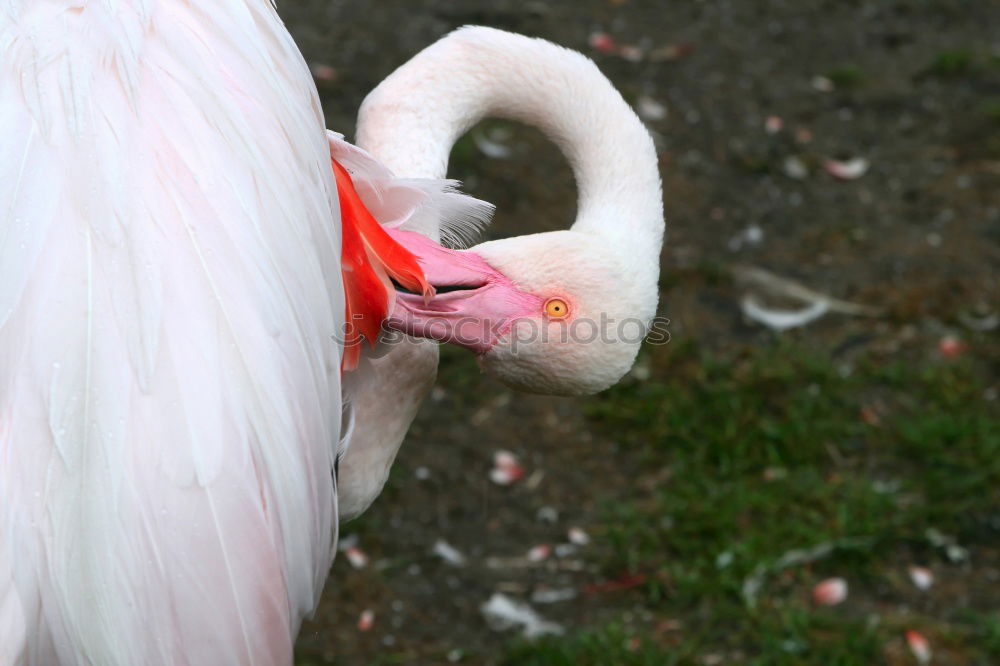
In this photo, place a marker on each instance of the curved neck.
(412, 119)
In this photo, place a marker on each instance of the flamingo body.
(169, 280)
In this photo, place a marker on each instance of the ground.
(865, 444)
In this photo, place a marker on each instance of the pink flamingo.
(170, 278)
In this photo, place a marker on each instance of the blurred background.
(824, 494)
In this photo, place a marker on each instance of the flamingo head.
(559, 313)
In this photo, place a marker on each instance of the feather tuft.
(369, 258)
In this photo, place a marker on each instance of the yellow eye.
(556, 308)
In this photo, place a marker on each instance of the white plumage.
(169, 281)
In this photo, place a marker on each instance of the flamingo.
(559, 312)
(170, 277)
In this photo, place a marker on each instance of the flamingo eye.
(556, 308)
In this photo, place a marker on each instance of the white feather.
(169, 286)
(430, 206)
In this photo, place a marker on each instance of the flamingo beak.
(474, 305)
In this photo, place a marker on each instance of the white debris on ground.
(548, 595)
(503, 613)
(952, 550)
(780, 286)
(816, 303)
(547, 514)
(922, 577)
(578, 536)
(649, 109)
(822, 84)
(505, 563)
(751, 236)
(535, 479)
(782, 320)
(980, 322)
(449, 553)
(795, 168)
(851, 169)
(493, 144)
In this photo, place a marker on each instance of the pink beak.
(475, 304)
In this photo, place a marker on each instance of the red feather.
(369, 257)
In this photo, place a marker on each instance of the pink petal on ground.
(830, 592)
(848, 169)
(603, 42)
(323, 72)
(951, 346)
(578, 536)
(539, 553)
(356, 557)
(921, 577)
(366, 620)
(773, 124)
(506, 469)
(919, 646)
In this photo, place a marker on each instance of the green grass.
(846, 76)
(952, 63)
(766, 453)
(991, 109)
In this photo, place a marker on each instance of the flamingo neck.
(412, 119)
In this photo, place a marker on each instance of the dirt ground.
(911, 87)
